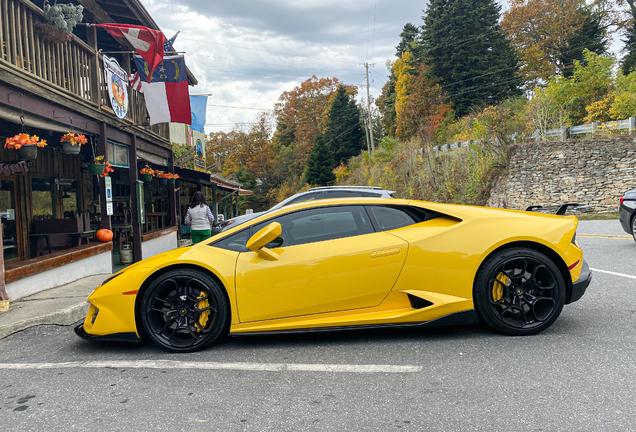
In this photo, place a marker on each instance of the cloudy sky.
(247, 52)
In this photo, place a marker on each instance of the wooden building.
(51, 205)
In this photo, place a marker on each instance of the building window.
(42, 197)
(117, 154)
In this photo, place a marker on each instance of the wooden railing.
(71, 66)
(67, 65)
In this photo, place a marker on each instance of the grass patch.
(613, 215)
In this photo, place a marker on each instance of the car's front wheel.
(634, 226)
(184, 310)
(519, 291)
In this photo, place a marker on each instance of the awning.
(154, 159)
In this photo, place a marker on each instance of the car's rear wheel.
(634, 226)
(184, 310)
(519, 292)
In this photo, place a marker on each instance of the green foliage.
(343, 133)
(409, 42)
(591, 37)
(179, 150)
(465, 47)
(319, 168)
(629, 61)
(64, 16)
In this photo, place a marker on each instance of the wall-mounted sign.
(109, 208)
(108, 186)
(141, 211)
(199, 157)
(117, 83)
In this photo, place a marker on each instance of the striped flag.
(135, 82)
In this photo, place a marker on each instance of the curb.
(66, 316)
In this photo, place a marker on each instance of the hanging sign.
(117, 83)
(199, 157)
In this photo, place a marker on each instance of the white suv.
(325, 192)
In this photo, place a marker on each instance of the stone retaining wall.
(594, 172)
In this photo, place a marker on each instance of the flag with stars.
(167, 47)
(166, 90)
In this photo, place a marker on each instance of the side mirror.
(258, 241)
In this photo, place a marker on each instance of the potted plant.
(72, 142)
(108, 168)
(98, 165)
(60, 21)
(172, 178)
(163, 180)
(26, 145)
(147, 173)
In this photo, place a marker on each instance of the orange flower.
(74, 138)
(17, 141)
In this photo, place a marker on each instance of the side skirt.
(457, 318)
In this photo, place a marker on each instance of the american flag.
(167, 46)
(135, 82)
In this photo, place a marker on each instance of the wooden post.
(102, 150)
(172, 199)
(215, 205)
(4, 298)
(91, 35)
(133, 176)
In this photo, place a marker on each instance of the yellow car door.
(328, 259)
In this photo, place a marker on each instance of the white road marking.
(171, 364)
(613, 273)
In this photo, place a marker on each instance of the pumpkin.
(104, 235)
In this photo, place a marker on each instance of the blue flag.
(171, 69)
(197, 107)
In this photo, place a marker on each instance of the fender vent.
(418, 303)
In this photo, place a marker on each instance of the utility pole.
(366, 130)
(366, 66)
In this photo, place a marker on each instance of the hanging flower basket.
(28, 152)
(26, 145)
(108, 168)
(72, 142)
(171, 181)
(52, 34)
(97, 169)
(147, 173)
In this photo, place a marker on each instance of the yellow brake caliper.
(205, 315)
(497, 288)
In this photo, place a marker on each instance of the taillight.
(622, 198)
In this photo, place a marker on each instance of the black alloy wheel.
(519, 292)
(184, 310)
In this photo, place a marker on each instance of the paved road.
(579, 375)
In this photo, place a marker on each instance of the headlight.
(111, 278)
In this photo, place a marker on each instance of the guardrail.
(563, 133)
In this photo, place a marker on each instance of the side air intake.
(418, 303)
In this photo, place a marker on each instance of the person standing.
(200, 218)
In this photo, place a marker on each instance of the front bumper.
(579, 287)
(115, 337)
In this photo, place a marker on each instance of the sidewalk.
(64, 305)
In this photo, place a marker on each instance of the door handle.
(385, 253)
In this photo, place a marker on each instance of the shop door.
(11, 247)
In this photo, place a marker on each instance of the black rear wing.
(561, 209)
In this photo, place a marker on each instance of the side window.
(371, 194)
(307, 197)
(343, 194)
(321, 224)
(236, 242)
(389, 218)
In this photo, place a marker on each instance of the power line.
(268, 51)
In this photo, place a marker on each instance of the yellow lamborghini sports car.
(349, 263)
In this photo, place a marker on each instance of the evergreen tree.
(386, 105)
(319, 168)
(592, 36)
(629, 61)
(409, 41)
(463, 43)
(343, 133)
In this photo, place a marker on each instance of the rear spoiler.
(560, 210)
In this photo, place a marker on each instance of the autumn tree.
(343, 133)
(549, 35)
(304, 110)
(319, 169)
(425, 107)
(465, 47)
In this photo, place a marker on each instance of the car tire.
(634, 226)
(184, 310)
(519, 292)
